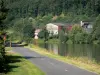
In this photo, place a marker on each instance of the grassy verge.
(17, 65)
(79, 62)
(49, 41)
(53, 41)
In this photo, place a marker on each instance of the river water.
(91, 52)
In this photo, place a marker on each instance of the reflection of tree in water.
(46, 46)
(85, 51)
(77, 50)
(51, 47)
(62, 49)
(96, 53)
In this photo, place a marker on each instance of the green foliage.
(44, 34)
(2, 53)
(3, 13)
(67, 10)
(82, 18)
(43, 12)
(69, 42)
(23, 29)
(78, 35)
(78, 38)
(76, 29)
(28, 31)
(96, 29)
(96, 42)
(62, 36)
(41, 34)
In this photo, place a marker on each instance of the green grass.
(8, 48)
(20, 66)
(49, 41)
(53, 41)
(79, 62)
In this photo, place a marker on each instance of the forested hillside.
(25, 15)
(24, 8)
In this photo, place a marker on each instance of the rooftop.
(62, 24)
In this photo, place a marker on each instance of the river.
(85, 51)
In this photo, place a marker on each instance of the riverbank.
(79, 62)
(18, 65)
(49, 41)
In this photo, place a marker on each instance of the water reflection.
(91, 52)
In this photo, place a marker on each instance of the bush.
(69, 42)
(2, 54)
(44, 34)
(96, 42)
(96, 30)
(78, 35)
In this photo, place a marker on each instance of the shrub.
(77, 35)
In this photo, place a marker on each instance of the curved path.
(50, 66)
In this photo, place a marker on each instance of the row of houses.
(53, 28)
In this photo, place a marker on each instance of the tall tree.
(96, 29)
(3, 12)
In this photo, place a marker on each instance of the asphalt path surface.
(50, 66)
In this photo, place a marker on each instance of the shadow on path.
(10, 63)
(28, 57)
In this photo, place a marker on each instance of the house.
(37, 31)
(53, 28)
(87, 26)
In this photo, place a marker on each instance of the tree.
(3, 13)
(28, 33)
(96, 29)
(77, 35)
(24, 8)
(44, 34)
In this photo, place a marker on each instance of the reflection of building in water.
(49, 47)
(53, 48)
(62, 50)
(84, 51)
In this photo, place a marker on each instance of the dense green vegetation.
(22, 30)
(3, 13)
(26, 15)
(95, 32)
(53, 10)
(34, 8)
(77, 35)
